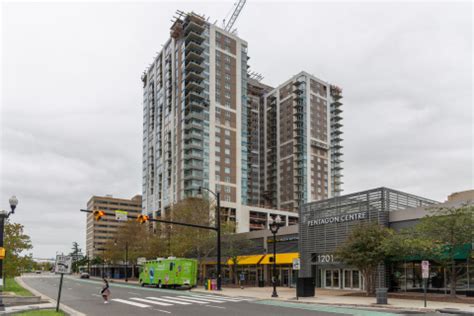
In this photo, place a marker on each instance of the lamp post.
(126, 259)
(274, 225)
(218, 230)
(3, 215)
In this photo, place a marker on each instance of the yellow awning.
(246, 260)
(281, 258)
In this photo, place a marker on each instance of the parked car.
(38, 271)
(84, 275)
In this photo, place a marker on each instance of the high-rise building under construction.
(207, 122)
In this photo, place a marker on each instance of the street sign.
(121, 216)
(425, 269)
(296, 264)
(63, 264)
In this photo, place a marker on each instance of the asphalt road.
(84, 296)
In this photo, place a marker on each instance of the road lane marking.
(133, 293)
(186, 300)
(96, 295)
(215, 306)
(167, 300)
(130, 303)
(202, 299)
(160, 310)
(150, 301)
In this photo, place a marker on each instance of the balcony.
(192, 26)
(195, 115)
(195, 124)
(192, 66)
(192, 76)
(193, 175)
(335, 110)
(195, 56)
(190, 136)
(194, 46)
(336, 167)
(192, 96)
(194, 37)
(194, 86)
(193, 105)
(193, 144)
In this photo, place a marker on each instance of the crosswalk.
(179, 300)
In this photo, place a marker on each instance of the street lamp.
(126, 259)
(218, 230)
(274, 225)
(3, 215)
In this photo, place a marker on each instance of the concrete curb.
(68, 310)
(13, 310)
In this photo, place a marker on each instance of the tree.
(139, 240)
(234, 246)
(364, 249)
(440, 236)
(16, 242)
(77, 257)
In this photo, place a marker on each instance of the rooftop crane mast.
(235, 15)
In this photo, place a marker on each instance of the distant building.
(99, 232)
(467, 195)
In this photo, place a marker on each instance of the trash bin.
(205, 284)
(213, 284)
(305, 287)
(381, 295)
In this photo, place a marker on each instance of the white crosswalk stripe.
(225, 299)
(168, 300)
(150, 301)
(203, 299)
(130, 303)
(179, 300)
(185, 300)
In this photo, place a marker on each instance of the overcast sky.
(71, 98)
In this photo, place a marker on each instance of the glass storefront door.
(352, 279)
(332, 278)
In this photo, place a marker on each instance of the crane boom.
(235, 15)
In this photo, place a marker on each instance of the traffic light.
(98, 215)
(2, 253)
(142, 219)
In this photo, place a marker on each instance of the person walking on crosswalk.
(105, 291)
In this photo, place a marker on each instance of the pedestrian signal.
(142, 219)
(98, 215)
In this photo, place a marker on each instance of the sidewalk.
(329, 297)
(333, 297)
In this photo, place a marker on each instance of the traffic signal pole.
(143, 218)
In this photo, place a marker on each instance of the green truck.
(170, 273)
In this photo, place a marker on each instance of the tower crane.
(235, 15)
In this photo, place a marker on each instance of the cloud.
(71, 114)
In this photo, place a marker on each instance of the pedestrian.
(105, 291)
(242, 279)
